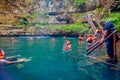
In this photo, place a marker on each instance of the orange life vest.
(90, 39)
(80, 38)
(98, 30)
(1, 54)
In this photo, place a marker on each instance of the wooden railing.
(93, 47)
(90, 21)
(107, 7)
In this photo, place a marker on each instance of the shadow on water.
(76, 73)
(95, 71)
(85, 68)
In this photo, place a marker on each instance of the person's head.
(53, 39)
(98, 30)
(67, 41)
(30, 38)
(93, 19)
(102, 23)
(12, 39)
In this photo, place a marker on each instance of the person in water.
(53, 39)
(12, 40)
(2, 57)
(80, 38)
(4, 60)
(98, 31)
(67, 45)
(30, 38)
(37, 37)
(90, 39)
(108, 28)
(2, 54)
(98, 35)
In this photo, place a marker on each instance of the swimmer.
(64, 36)
(80, 38)
(67, 45)
(53, 39)
(98, 32)
(4, 60)
(2, 57)
(37, 37)
(12, 40)
(30, 38)
(90, 39)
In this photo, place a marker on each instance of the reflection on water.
(49, 61)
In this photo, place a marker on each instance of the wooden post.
(114, 46)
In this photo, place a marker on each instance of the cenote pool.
(48, 61)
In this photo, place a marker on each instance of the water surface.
(50, 62)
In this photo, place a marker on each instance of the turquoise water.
(48, 61)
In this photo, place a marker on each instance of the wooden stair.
(115, 4)
(111, 5)
(93, 21)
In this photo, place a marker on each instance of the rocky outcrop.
(43, 11)
(12, 10)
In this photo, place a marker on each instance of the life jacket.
(90, 39)
(67, 46)
(98, 31)
(1, 54)
(80, 38)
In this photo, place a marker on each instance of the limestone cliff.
(12, 10)
(41, 11)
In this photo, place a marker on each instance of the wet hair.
(102, 23)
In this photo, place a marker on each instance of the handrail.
(90, 21)
(99, 43)
(106, 7)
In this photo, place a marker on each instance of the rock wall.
(12, 10)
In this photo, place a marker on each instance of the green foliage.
(115, 18)
(31, 1)
(22, 22)
(118, 7)
(79, 2)
(69, 28)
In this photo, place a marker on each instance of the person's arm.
(9, 62)
(104, 35)
(87, 39)
(5, 61)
